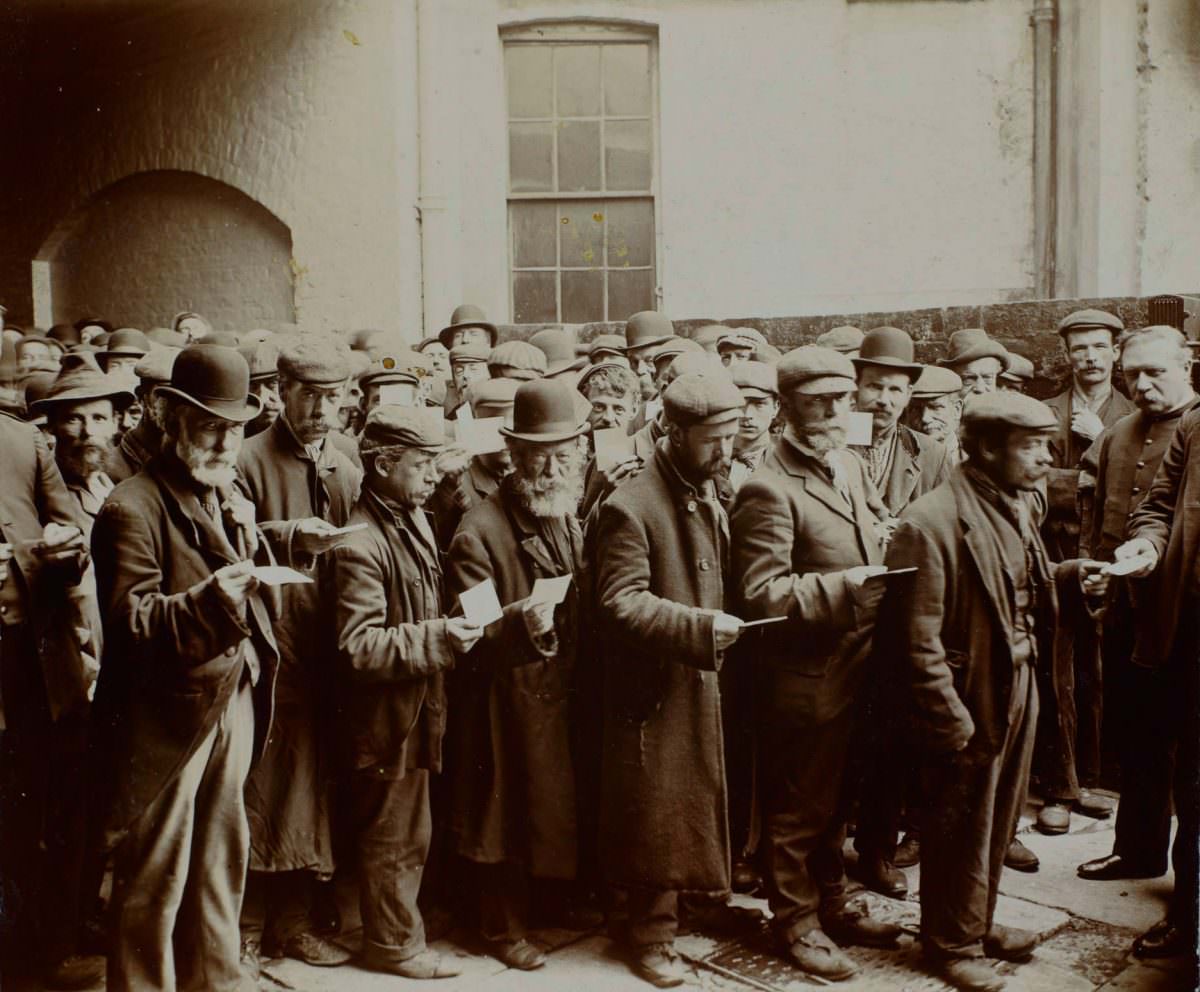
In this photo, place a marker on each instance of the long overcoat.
(660, 566)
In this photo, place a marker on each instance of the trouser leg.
(1089, 705)
(803, 770)
(504, 896)
(653, 917)
(1185, 854)
(286, 896)
(1054, 749)
(392, 821)
(1143, 829)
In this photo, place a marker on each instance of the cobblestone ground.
(1087, 929)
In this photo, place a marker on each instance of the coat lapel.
(906, 471)
(207, 536)
(981, 548)
(814, 483)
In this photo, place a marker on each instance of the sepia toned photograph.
(599, 495)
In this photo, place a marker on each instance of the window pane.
(533, 231)
(528, 70)
(534, 297)
(582, 296)
(627, 80)
(630, 233)
(531, 157)
(627, 154)
(629, 290)
(578, 155)
(578, 80)
(582, 234)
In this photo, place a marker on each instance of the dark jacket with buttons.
(660, 576)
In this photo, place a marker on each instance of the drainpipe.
(1044, 19)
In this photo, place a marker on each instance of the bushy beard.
(83, 459)
(549, 497)
(207, 469)
(823, 439)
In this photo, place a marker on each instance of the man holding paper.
(393, 648)
(512, 774)
(662, 551)
(304, 489)
(806, 543)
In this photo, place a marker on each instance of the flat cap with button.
(756, 377)
(696, 399)
(844, 338)
(890, 348)
(517, 359)
(813, 370)
(1091, 320)
(321, 359)
(936, 380)
(1012, 409)
(404, 427)
(648, 327)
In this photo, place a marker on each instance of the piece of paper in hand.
(613, 446)
(481, 437)
(464, 413)
(552, 591)
(760, 623)
(348, 529)
(858, 428)
(278, 575)
(480, 604)
(1125, 566)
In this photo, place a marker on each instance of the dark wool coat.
(920, 464)
(137, 447)
(174, 654)
(660, 566)
(288, 794)
(511, 774)
(793, 537)
(386, 586)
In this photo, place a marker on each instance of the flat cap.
(519, 360)
(387, 370)
(667, 351)
(1005, 407)
(492, 394)
(696, 398)
(469, 353)
(156, 366)
(257, 336)
(1091, 320)
(617, 370)
(403, 426)
(844, 338)
(741, 337)
(699, 362)
(1020, 368)
(315, 358)
(758, 376)
(263, 360)
(936, 380)
(813, 370)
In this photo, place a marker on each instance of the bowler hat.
(215, 379)
(647, 327)
(972, 343)
(467, 315)
(1091, 320)
(93, 322)
(126, 342)
(545, 411)
(67, 334)
(813, 370)
(80, 380)
(888, 347)
(559, 348)
(936, 380)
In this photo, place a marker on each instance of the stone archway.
(155, 243)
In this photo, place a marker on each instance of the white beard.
(208, 470)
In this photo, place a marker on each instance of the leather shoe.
(1095, 805)
(816, 954)
(969, 974)
(908, 852)
(1164, 940)
(1114, 867)
(76, 971)
(1019, 858)
(1010, 943)
(745, 879)
(309, 948)
(659, 965)
(425, 964)
(882, 877)
(1054, 818)
(852, 925)
(519, 954)
(723, 918)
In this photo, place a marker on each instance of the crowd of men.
(532, 633)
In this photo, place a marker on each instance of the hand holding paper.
(279, 575)
(613, 446)
(550, 591)
(480, 604)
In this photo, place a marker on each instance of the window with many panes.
(581, 172)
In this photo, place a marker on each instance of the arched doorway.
(154, 243)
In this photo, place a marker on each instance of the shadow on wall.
(155, 243)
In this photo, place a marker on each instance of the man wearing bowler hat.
(968, 628)
(304, 489)
(660, 590)
(645, 331)
(468, 325)
(977, 359)
(806, 543)
(184, 697)
(512, 778)
(126, 347)
(394, 646)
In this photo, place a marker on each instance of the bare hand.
(616, 474)
(453, 461)
(314, 536)
(463, 634)
(235, 584)
(1139, 547)
(59, 541)
(1092, 578)
(539, 618)
(726, 630)
(1086, 424)
(867, 595)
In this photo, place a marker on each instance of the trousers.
(972, 800)
(179, 873)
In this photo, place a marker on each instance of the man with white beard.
(184, 695)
